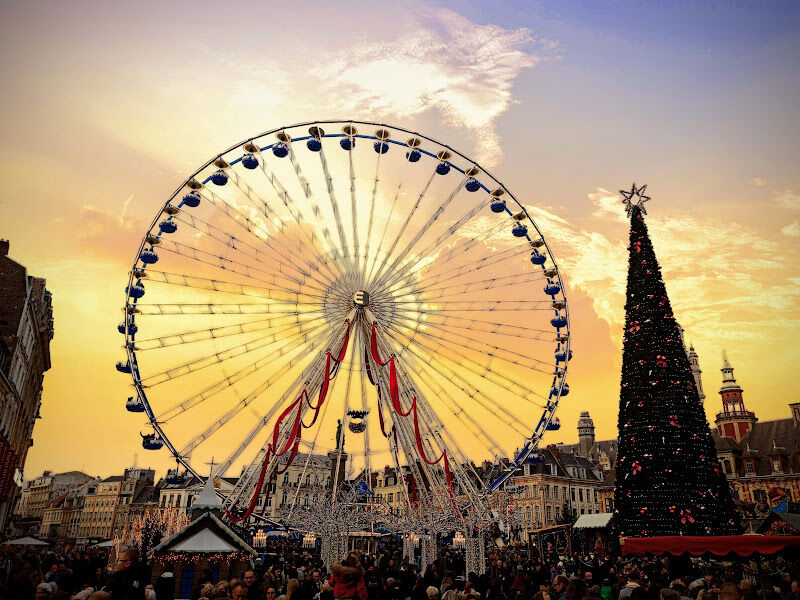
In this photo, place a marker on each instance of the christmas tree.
(669, 481)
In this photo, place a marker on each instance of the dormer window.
(777, 467)
(749, 467)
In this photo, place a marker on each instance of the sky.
(109, 106)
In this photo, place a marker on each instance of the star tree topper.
(635, 197)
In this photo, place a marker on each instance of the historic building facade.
(559, 489)
(761, 459)
(26, 328)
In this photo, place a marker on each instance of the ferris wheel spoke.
(484, 371)
(284, 352)
(205, 308)
(231, 266)
(412, 261)
(379, 273)
(491, 406)
(474, 286)
(383, 234)
(217, 358)
(252, 396)
(447, 274)
(433, 424)
(263, 235)
(405, 252)
(334, 205)
(481, 345)
(363, 270)
(200, 335)
(231, 241)
(294, 210)
(311, 378)
(224, 286)
(481, 306)
(432, 318)
(429, 377)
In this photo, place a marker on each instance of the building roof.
(111, 479)
(780, 437)
(593, 521)
(205, 535)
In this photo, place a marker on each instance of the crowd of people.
(286, 571)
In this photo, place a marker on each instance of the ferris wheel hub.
(361, 299)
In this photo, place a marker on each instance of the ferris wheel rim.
(131, 302)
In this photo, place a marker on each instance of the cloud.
(787, 199)
(758, 182)
(792, 230)
(445, 63)
(718, 273)
(107, 234)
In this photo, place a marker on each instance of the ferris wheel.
(346, 276)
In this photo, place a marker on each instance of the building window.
(535, 491)
(548, 513)
(555, 492)
(776, 464)
(573, 494)
(580, 494)
(749, 468)
(536, 512)
(726, 464)
(390, 498)
(547, 490)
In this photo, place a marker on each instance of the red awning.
(739, 545)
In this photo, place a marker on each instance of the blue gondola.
(280, 150)
(136, 290)
(174, 477)
(149, 257)
(134, 405)
(151, 441)
(564, 391)
(536, 458)
(413, 155)
(132, 328)
(551, 289)
(347, 143)
(192, 199)
(123, 367)
(220, 177)
(559, 321)
(498, 205)
(519, 230)
(249, 161)
(443, 168)
(561, 355)
(538, 259)
(472, 185)
(555, 424)
(168, 226)
(314, 145)
(381, 147)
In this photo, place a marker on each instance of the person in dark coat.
(129, 578)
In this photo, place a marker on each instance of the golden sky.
(108, 109)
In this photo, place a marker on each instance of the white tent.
(593, 521)
(26, 541)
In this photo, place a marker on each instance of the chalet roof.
(205, 535)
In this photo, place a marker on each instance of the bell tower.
(698, 380)
(735, 420)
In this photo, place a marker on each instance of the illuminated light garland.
(195, 559)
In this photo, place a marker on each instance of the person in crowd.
(347, 579)
(239, 591)
(634, 581)
(128, 581)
